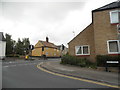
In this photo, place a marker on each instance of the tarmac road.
(25, 74)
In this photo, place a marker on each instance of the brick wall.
(96, 35)
(103, 31)
(86, 37)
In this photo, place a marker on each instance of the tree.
(26, 44)
(9, 44)
(22, 46)
(19, 47)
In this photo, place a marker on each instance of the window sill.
(82, 55)
(114, 54)
(114, 23)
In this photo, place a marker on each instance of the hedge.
(73, 60)
(101, 60)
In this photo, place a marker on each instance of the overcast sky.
(57, 19)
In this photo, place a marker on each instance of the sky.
(59, 20)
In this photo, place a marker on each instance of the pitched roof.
(48, 44)
(112, 5)
(90, 25)
(59, 47)
(2, 37)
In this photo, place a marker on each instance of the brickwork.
(96, 35)
(86, 37)
(103, 31)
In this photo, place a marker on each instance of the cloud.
(44, 0)
(57, 20)
(37, 20)
(47, 11)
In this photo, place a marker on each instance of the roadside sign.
(112, 62)
(31, 47)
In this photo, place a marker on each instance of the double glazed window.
(113, 46)
(114, 16)
(82, 50)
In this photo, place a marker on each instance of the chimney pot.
(47, 39)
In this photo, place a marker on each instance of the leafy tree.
(22, 46)
(26, 44)
(19, 47)
(9, 44)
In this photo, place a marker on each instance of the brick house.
(101, 37)
(45, 48)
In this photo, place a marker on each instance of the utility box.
(2, 46)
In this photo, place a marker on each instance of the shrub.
(101, 60)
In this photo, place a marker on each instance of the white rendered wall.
(2, 49)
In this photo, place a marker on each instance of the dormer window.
(114, 16)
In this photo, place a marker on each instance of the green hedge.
(73, 60)
(101, 60)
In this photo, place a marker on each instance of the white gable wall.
(2, 49)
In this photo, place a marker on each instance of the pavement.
(85, 73)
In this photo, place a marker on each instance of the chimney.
(47, 39)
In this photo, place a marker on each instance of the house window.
(114, 16)
(46, 53)
(113, 46)
(82, 50)
(85, 49)
(78, 50)
(57, 50)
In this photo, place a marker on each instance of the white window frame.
(82, 50)
(111, 16)
(118, 42)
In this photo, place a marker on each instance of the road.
(25, 74)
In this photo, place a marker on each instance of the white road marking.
(19, 65)
(10, 62)
(5, 66)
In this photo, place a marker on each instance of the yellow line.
(75, 78)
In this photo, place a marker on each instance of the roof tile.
(112, 5)
(48, 44)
